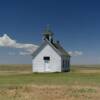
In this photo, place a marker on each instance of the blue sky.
(75, 23)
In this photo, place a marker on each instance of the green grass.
(17, 82)
(16, 76)
(15, 67)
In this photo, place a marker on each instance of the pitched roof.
(57, 47)
(61, 49)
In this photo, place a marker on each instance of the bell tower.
(48, 34)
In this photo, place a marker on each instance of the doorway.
(46, 64)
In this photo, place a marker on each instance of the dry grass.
(17, 82)
(5, 73)
(46, 92)
(89, 71)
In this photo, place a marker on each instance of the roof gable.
(57, 48)
(38, 49)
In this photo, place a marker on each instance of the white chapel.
(50, 56)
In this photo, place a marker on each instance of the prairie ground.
(17, 82)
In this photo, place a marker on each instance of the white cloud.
(6, 41)
(75, 53)
(24, 53)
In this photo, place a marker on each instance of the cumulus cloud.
(24, 53)
(75, 53)
(6, 41)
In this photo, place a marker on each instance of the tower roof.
(47, 31)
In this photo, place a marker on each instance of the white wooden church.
(50, 56)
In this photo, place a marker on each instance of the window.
(46, 58)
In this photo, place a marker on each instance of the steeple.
(48, 34)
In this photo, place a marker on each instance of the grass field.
(17, 82)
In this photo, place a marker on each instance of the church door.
(46, 64)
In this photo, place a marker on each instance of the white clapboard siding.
(38, 64)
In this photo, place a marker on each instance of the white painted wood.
(54, 65)
(47, 66)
